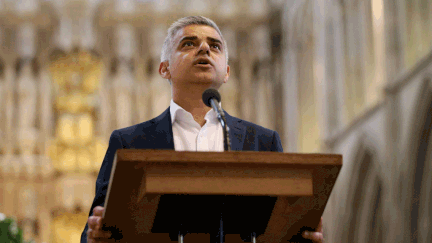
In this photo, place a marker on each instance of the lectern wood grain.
(234, 180)
(302, 184)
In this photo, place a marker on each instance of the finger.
(101, 235)
(98, 211)
(90, 238)
(94, 222)
(320, 226)
(98, 234)
(316, 237)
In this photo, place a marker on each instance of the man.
(194, 58)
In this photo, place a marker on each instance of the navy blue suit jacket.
(157, 134)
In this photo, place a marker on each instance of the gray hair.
(168, 44)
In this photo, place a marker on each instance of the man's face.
(198, 57)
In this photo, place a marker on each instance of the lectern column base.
(248, 237)
(219, 237)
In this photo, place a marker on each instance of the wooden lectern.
(277, 195)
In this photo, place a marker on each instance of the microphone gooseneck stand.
(222, 120)
(211, 97)
(220, 238)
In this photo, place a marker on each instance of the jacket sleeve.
(277, 144)
(104, 176)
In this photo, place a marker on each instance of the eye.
(188, 43)
(216, 46)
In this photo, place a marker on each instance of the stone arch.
(364, 184)
(370, 215)
(425, 198)
(415, 177)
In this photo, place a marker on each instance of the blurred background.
(349, 76)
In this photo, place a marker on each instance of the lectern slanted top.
(300, 185)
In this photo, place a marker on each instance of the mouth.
(203, 63)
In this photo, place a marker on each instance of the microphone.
(211, 98)
(210, 94)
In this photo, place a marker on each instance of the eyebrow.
(195, 37)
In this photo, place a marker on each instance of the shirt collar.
(175, 111)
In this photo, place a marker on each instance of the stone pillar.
(290, 81)
(27, 96)
(46, 114)
(375, 86)
(402, 29)
(308, 121)
(421, 45)
(27, 88)
(104, 112)
(340, 74)
(86, 22)
(64, 33)
(320, 65)
(334, 70)
(413, 33)
(160, 88)
(230, 90)
(141, 89)
(124, 82)
(262, 83)
(27, 133)
(122, 87)
(354, 86)
(10, 109)
(246, 76)
(394, 34)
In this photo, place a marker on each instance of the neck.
(190, 99)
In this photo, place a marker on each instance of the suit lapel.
(237, 132)
(162, 132)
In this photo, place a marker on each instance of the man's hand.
(316, 237)
(95, 234)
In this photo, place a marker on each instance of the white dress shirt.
(190, 136)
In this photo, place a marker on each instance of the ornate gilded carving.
(77, 79)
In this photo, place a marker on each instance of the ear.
(164, 70)
(227, 74)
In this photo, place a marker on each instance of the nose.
(204, 48)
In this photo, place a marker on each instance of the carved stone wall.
(73, 71)
(372, 96)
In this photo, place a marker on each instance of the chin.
(204, 79)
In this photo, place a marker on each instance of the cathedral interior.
(350, 77)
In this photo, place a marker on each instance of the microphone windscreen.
(208, 94)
